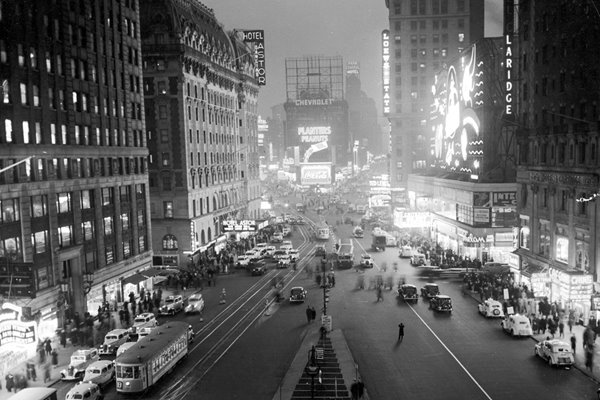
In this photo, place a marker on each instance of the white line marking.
(450, 352)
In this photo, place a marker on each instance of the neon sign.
(509, 31)
(314, 134)
(385, 44)
(258, 38)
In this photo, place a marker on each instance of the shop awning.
(134, 279)
(532, 269)
(150, 272)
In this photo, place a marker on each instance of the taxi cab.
(100, 372)
(144, 320)
(80, 360)
(84, 390)
(112, 341)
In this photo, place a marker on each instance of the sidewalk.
(64, 353)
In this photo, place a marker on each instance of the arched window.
(202, 237)
(215, 207)
(169, 242)
(209, 235)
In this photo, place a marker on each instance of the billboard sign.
(258, 38)
(314, 134)
(245, 225)
(315, 174)
(385, 49)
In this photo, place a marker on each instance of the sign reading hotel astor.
(245, 225)
(258, 38)
(315, 174)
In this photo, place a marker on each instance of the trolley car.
(322, 231)
(152, 357)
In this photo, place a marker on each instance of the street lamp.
(88, 280)
(63, 301)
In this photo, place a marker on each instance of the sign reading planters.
(315, 174)
(258, 38)
(385, 48)
(314, 134)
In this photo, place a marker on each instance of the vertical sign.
(258, 38)
(385, 47)
(509, 31)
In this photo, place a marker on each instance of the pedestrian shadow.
(398, 343)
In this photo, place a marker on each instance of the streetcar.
(322, 231)
(152, 357)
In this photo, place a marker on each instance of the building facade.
(423, 36)
(200, 94)
(557, 112)
(74, 181)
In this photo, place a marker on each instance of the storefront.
(109, 292)
(572, 289)
(445, 235)
(18, 336)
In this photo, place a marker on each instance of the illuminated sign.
(193, 235)
(314, 134)
(509, 31)
(315, 102)
(245, 225)
(458, 93)
(385, 47)
(258, 38)
(319, 174)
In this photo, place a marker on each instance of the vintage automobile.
(408, 292)
(366, 261)
(441, 302)
(172, 305)
(258, 268)
(242, 261)
(84, 390)
(252, 255)
(294, 255)
(297, 294)
(556, 352)
(143, 320)
(112, 341)
(270, 250)
(80, 360)
(320, 251)
(195, 304)
(516, 325)
(418, 259)
(100, 372)
(430, 290)
(284, 262)
(491, 308)
(279, 254)
(277, 237)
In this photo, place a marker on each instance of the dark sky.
(295, 28)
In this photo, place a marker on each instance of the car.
(517, 325)
(320, 251)
(124, 347)
(406, 252)
(491, 308)
(300, 221)
(555, 352)
(284, 262)
(143, 320)
(270, 250)
(366, 261)
(297, 294)
(84, 390)
(279, 254)
(430, 290)
(100, 372)
(440, 302)
(112, 341)
(195, 304)
(260, 246)
(242, 261)
(286, 247)
(143, 332)
(80, 360)
(418, 259)
(294, 255)
(172, 305)
(408, 292)
(252, 255)
(286, 231)
(277, 237)
(257, 268)
(286, 243)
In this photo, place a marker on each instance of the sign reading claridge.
(509, 31)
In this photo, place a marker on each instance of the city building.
(200, 94)
(316, 130)
(557, 94)
(75, 219)
(423, 36)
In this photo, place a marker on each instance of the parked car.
(84, 390)
(80, 360)
(441, 302)
(172, 305)
(555, 352)
(258, 268)
(408, 293)
(418, 259)
(491, 308)
(320, 251)
(143, 320)
(297, 294)
(430, 290)
(112, 341)
(242, 261)
(195, 304)
(100, 372)
(366, 261)
(517, 325)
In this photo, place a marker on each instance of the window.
(125, 221)
(562, 244)
(63, 203)
(65, 236)
(87, 227)
(544, 232)
(168, 209)
(169, 242)
(108, 226)
(23, 87)
(86, 199)
(524, 233)
(109, 253)
(162, 112)
(39, 206)
(39, 242)
(107, 196)
(164, 136)
(166, 159)
(126, 248)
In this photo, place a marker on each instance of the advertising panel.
(481, 216)
(314, 134)
(258, 38)
(315, 174)
(245, 225)
(385, 49)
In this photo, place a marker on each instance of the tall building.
(75, 220)
(558, 95)
(201, 99)
(424, 35)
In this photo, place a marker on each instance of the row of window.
(436, 24)
(580, 153)
(425, 7)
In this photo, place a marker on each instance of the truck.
(379, 241)
(345, 256)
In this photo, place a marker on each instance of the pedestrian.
(308, 314)
(313, 313)
(379, 293)
(46, 372)
(400, 331)
(48, 346)
(573, 343)
(561, 329)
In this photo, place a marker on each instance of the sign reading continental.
(319, 174)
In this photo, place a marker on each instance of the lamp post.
(88, 280)
(63, 301)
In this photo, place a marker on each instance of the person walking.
(308, 314)
(573, 343)
(561, 329)
(400, 331)
(379, 293)
(313, 313)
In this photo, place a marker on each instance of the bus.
(322, 231)
(35, 393)
(345, 256)
(152, 357)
